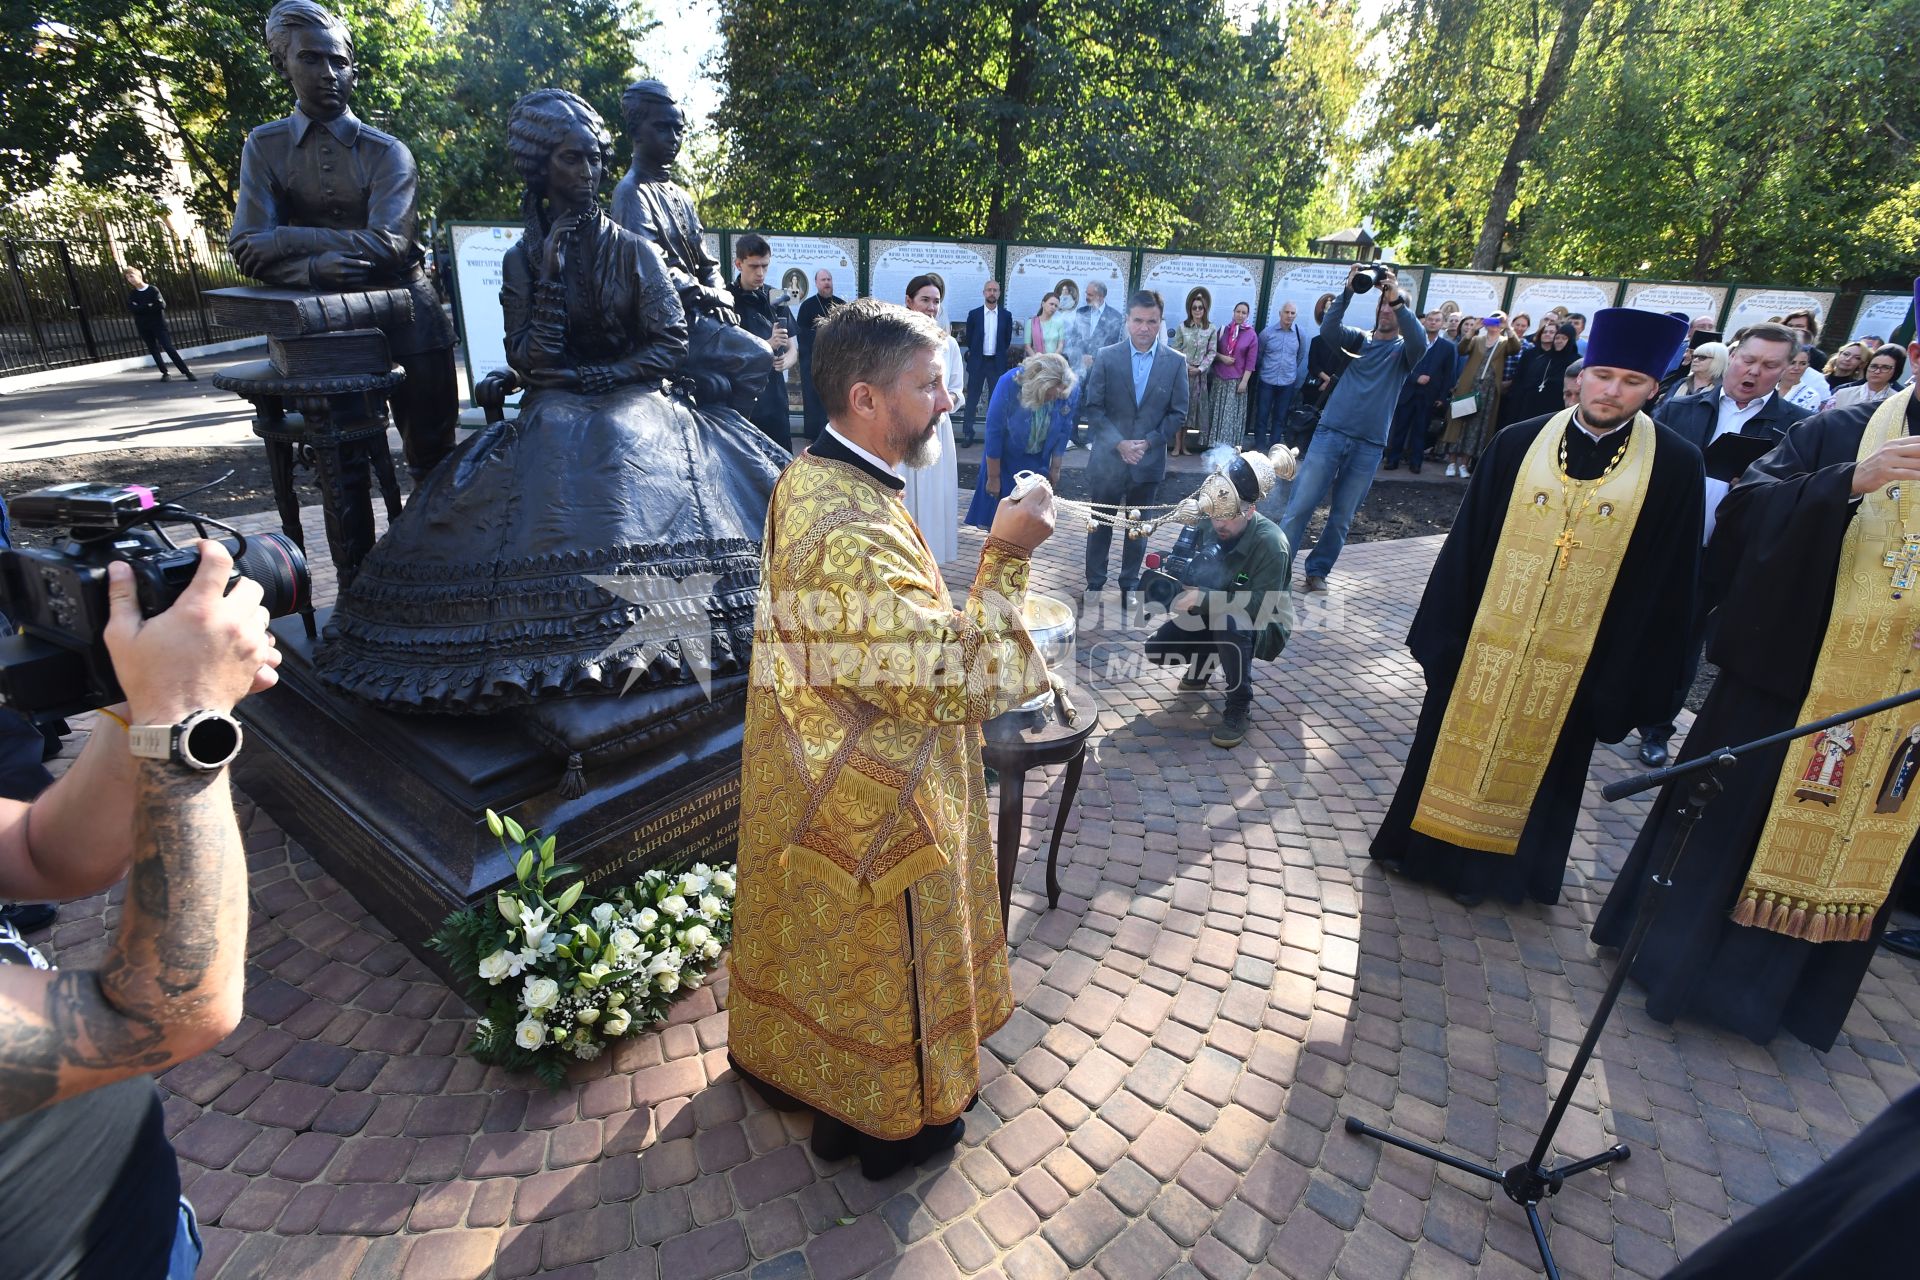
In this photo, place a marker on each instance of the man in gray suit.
(1094, 326)
(1136, 398)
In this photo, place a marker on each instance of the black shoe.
(881, 1160)
(1192, 683)
(1653, 753)
(1469, 900)
(1905, 942)
(1232, 730)
(166, 377)
(1413, 470)
(28, 917)
(833, 1140)
(192, 378)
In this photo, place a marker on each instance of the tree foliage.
(1762, 139)
(101, 79)
(1102, 121)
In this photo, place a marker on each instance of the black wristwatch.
(205, 740)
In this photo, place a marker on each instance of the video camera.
(1369, 276)
(56, 662)
(1165, 577)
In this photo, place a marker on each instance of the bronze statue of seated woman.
(609, 538)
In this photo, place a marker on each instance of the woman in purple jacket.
(1233, 365)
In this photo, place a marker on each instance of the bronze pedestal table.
(341, 431)
(1019, 741)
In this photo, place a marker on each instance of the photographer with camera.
(1227, 602)
(1352, 432)
(89, 1179)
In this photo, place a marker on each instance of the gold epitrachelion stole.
(1553, 571)
(1843, 815)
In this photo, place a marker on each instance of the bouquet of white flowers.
(557, 973)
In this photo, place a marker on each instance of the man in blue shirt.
(1352, 434)
(1284, 344)
(1135, 399)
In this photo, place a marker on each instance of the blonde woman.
(1029, 424)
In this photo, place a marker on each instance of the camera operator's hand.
(1025, 522)
(1187, 601)
(1390, 287)
(209, 650)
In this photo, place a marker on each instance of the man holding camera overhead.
(89, 1179)
(1352, 433)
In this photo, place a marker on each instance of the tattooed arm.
(81, 826)
(171, 984)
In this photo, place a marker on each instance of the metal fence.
(63, 301)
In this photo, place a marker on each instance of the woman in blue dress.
(1029, 425)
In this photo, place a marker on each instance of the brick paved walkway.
(1225, 977)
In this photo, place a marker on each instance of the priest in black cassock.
(1554, 617)
(1783, 889)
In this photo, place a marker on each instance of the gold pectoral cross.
(1904, 560)
(1567, 542)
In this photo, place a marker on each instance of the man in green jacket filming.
(1232, 606)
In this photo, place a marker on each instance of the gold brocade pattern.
(869, 956)
(1842, 815)
(1553, 572)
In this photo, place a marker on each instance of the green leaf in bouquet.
(561, 872)
(525, 868)
(569, 898)
(514, 831)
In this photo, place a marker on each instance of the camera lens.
(276, 562)
(1363, 281)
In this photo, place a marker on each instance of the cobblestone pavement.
(1226, 976)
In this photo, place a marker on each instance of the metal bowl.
(1051, 623)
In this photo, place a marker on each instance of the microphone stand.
(1533, 1180)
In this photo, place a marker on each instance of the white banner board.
(1881, 314)
(1691, 300)
(478, 251)
(1534, 296)
(797, 259)
(1034, 271)
(1476, 293)
(1755, 306)
(1226, 282)
(962, 269)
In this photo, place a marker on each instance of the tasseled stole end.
(573, 783)
(1798, 918)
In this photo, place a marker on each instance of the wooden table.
(1017, 742)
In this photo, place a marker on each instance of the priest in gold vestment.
(869, 955)
(1556, 613)
(1788, 880)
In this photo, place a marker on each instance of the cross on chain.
(1904, 560)
(1567, 542)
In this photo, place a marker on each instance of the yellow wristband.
(115, 717)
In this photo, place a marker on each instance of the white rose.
(723, 881)
(698, 935)
(617, 1022)
(539, 994)
(530, 1034)
(588, 1016)
(603, 916)
(712, 949)
(674, 905)
(693, 885)
(711, 907)
(648, 917)
(669, 982)
(625, 939)
(665, 962)
(496, 966)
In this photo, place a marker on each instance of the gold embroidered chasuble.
(869, 957)
(1559, 554)
(1841, 820)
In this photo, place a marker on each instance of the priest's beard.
(917, 451)
(1601, 418)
